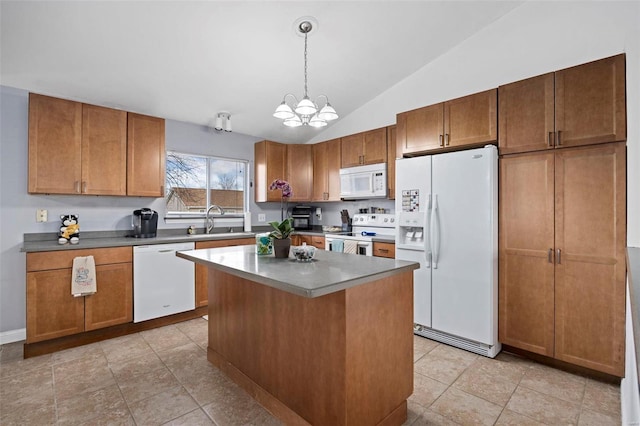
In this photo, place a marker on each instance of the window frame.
(176, 215)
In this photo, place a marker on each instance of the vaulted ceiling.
(187, 61)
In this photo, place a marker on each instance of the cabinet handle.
(76, 186)
(446, 139)
(559, 140)
(550, 140)
(558, 257)
(550, 258)
(441, 140)
(84, 186)
(383, 250)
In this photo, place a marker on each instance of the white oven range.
(364, 228)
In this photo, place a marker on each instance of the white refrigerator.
(447, 211)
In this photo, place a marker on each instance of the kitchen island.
(327, 342)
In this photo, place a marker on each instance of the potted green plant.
(281, 237)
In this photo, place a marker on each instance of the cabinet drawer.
(224, 243)
(384, 250)
(47, 260)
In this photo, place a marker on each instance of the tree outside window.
(194, 182)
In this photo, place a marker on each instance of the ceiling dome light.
(306, 111)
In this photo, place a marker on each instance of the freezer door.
(464, 284)
(413, 192)
(421, 286)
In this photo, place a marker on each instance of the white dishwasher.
(163, 284)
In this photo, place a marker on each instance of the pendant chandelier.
(305, 112)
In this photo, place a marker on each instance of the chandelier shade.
(305, 112)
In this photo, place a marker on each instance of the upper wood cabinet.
(300, 171)
(391, 161)
(104, 151)
(581, 105)
(326, 171)
(562, 254)
(467, 121)
(364, 148)
(55, 145)
(270, 160)
(146, 156)
(77, 148)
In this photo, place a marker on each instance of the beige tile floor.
(162, 376)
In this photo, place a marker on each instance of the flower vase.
(281, 247)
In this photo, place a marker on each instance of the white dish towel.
(83, 276)
(350, 246)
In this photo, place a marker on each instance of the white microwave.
(363, 182)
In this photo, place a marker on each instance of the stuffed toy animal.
(70, 230)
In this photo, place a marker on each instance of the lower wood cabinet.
(562, 263)
(310, 240)
(51, 309)
(381, 249)
(202, 291)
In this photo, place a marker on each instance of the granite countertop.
(633, 269)
(103, 239)
(327, 273)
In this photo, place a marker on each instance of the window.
(194, 182)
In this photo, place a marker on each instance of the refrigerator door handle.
(427, 238)
(435, 231)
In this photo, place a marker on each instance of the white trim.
(13, 336)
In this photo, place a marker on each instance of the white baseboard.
(13, 336)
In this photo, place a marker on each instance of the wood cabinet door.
(391, 162)
(270, 161)
(590, 257)
(300, 171)
(420, 130)
(202, 275)
(112, 304)
(55, 145)
(51, 309)
(320, 172)
(527, 115)
(590, 103)
(526, 237)
(104, 151)
(471, 120)
(311, 240)
(375, 146)
(145, 156)
(334, 161)
(352, 150)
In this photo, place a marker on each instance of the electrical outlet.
(41, 215)
(262, 217)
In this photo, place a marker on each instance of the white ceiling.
(187, 61)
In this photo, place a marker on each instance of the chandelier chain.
(305, 64)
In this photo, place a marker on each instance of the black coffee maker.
(145, 223)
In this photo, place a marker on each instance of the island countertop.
(327, 273)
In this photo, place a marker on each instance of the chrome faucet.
(208, 221)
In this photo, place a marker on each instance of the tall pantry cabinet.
(562, 234)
